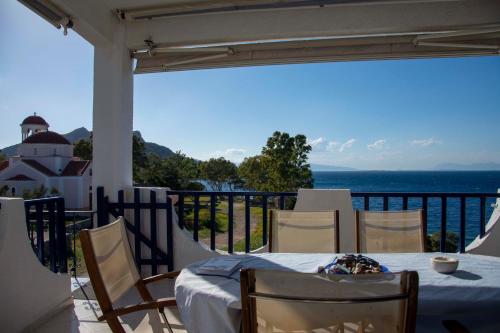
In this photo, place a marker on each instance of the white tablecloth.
(471, 294)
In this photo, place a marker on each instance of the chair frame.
(409, 292)
(336, 232)
(109, 313)
(358, 235)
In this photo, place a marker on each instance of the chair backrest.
(304, 232)
(390, 231)
(320, 200)
(284, 301)
(109, 261)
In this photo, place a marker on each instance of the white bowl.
(444, 265)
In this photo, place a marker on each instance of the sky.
(391, 115)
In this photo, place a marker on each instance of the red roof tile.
(47, 137)
(20, 178)
(37, 166)
(34, 120)
(75, 168)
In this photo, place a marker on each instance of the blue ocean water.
(420, 181)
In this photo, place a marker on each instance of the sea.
(420, 181)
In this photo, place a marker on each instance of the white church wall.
(37, 150)
(22, 169)
(72, 191)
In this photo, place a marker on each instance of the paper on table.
(219, 266)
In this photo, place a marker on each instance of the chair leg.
(162, 312)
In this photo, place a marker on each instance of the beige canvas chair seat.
(304, 232)
(389, 231)
(322, 200)
(114, 277)
(281, 301)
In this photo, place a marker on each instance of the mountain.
(490, 166)
(154, 148)
(79, 134)
(84, 134)
(321, 167)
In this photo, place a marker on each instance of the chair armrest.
(157, 304)
(454, 326)
(169, 275)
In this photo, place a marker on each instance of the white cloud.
(425, 142)
(346, 145)
(317, 144)
(377, 145)
(233, 154)
(332, 145)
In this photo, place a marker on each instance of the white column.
(113, 115)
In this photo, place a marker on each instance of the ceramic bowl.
(445, 265)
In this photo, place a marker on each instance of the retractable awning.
(156, 58)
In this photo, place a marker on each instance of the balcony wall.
(29, 291)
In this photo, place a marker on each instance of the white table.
(472, 294)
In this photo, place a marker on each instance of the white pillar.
(113, 115)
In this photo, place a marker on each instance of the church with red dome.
(45, 158)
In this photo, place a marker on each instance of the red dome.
(34, 120)
(47, 137)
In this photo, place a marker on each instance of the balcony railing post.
(181, 211)
(52, 236)
(196, 217)
(462, 223)
(40, 248)
(152, 217)
(264, 220)
(425, 206)
(213, 222)
(482, 216)
(62, 248)
(366, 202)
(170, 236)
(444, 209)
(247, 223)
(102, 207)
(230, 221)
(137, 228)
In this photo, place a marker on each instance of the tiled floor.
(82, 317)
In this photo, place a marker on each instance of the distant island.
(322, 167)
(84, 134)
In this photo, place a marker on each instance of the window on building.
(13, 191)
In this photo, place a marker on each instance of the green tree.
(4, 190)
(177, 172)
(36, 193)
(219, 172)
(253, 173)
(83, 149)
(139, 157)
(282, 166)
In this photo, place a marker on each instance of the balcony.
(171, 229)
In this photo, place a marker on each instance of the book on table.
(219, 266)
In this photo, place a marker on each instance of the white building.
(46, 158)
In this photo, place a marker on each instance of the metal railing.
(441, 210)
(53, 233)
(45, 222)
(462, 213)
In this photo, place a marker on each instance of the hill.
(84, 134)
